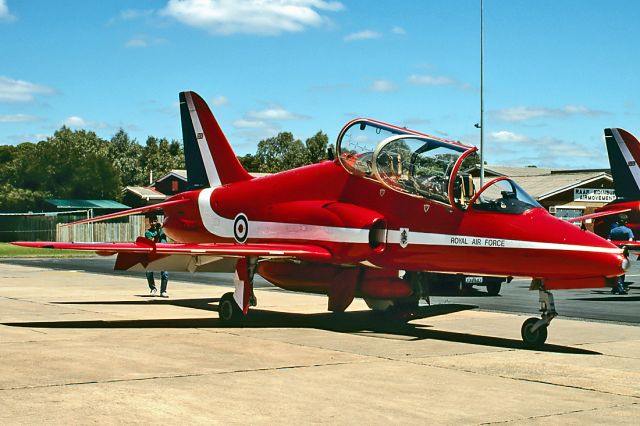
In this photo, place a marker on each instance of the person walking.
(156, 234)
(620, 232)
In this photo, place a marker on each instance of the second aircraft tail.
(624, 158)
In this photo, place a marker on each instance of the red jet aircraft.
(391, 206)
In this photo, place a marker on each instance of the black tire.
(493, 289)
(228, 310)
(533, 339)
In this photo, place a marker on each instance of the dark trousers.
(619, 287)
(164, 280)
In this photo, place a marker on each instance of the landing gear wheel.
(493, 289)
(403, 309)
(533, 339)
(228, 310)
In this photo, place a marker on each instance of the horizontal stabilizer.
(599, 214)
(139, 210)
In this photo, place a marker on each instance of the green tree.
(126, 156)
(70, 164)
(317, 147)
(14, 199)
(250, 163)
(281, 152)
(161, 156)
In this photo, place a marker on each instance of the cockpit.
(420, 165)
(503, 195)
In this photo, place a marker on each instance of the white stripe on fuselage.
(429, 239)
(203, 145)
(628, 157)
(223, 227)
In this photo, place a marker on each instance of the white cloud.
(383, 86)
(5, 15)
(264, 123)
(547, 152)
(398, 30)
(74, 121)
(243, 123)
(275, 113)
(18, 118)
(144, 41)
(28, 137)
(263, 17)
(219, 101)
(78, 122)
(429, 80)
(529, 113)
(506, 136)
(362, 35)
(21, 91)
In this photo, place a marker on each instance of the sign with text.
(604, 195)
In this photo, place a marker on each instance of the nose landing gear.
(534, 330)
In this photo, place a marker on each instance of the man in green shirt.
(156, 234)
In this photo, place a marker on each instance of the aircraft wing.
(144, 245)
(599, 214)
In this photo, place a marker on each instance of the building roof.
(495, 170)
(519, 171)
(146, 193)
(177, 173)
(86, 204)
(544, 186)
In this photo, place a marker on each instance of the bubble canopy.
(401, 159)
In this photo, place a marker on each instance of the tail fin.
(624, 158)
(210, 161)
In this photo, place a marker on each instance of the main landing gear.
(233, 307)
(534, 330)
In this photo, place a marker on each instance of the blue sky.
(556, 72)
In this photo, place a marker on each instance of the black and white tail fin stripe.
(209, 159)
(624, 159)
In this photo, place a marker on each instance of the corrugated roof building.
(565, 193)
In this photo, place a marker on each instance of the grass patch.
(9, 250)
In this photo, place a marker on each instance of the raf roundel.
(240, 228)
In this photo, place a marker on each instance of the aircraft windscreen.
(356, 146)
(464, 187)
(504, 196)
(416, 165)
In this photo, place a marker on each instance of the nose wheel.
(534, 330)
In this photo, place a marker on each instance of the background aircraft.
(369, 224)
(624, 158)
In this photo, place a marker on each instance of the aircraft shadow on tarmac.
(610, 298)
(365, 323)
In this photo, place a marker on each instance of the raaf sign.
(594, 194)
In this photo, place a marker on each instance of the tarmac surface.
(592, 304)
(87, 347)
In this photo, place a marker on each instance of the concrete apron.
(89, 348)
